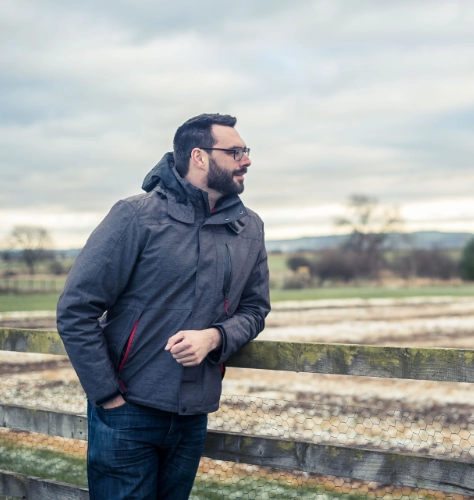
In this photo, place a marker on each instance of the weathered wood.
(17, 485)
(43, 342)
(43, 421)
(449, 365)
(369, 465)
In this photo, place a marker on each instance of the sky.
(334, 98)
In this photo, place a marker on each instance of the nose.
(245, 161)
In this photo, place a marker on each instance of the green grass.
(63, 467)
(262, 488)
(43, 463)
(58, 466)
(371, 292)
(28, 302)
(47, 302)
(277, 262)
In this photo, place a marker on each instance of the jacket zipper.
(127, 352)
(227, 280)
(226, 290)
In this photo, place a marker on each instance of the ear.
(199, 158)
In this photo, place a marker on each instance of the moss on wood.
(453, 365)
(38, 341)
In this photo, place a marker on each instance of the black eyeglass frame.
(241, 151)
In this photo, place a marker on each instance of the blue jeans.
(141, 453)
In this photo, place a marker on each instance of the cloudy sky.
(333, 97)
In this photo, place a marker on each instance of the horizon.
(72, 230)
(277, 240)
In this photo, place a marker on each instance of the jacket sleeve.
(249, 318)
(99, 275)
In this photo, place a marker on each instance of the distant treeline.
(367, 260)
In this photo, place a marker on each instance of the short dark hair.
(196, 133)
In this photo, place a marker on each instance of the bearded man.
(168, 286)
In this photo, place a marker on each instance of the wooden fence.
(389, 467)
(36, 285)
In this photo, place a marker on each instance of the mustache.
(240, 171)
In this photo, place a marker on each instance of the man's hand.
(114, 403)
(190, 347)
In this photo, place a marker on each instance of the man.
(168, 286)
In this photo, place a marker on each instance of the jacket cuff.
(102, 401)
(215, 355)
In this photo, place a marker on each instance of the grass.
(57, 466)
(28, 302)
(43, 463)
(371, 292)
(277, 262)
(268, 487)
(47, 302)
(50, 464)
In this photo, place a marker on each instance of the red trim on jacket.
(129, 346)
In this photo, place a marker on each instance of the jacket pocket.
(127, 347)
(227, 277)
(126, 353)
(117, 326)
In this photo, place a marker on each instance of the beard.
(223, 181)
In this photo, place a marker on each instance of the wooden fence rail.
(15, 485)
(36, 285)
(447, 365)
(445, 475)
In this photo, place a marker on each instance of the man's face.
(225, 174)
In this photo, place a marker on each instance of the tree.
(434, 263)
(297, 261)
(335, 265)
(32, 242)
(369, 224)
(466, 264)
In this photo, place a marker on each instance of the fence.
(299, 452)
(38, 285)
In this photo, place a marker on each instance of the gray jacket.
(159, 263)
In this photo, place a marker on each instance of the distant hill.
(419, 240)
(72, 253)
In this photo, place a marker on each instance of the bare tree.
(32, 242)
(369, 223)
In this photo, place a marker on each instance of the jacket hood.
(162, 173)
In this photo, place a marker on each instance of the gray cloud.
(333, 97)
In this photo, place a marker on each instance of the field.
(372, 292)
(47, 302)
(433, 418)
(277, 264)
(28, 302)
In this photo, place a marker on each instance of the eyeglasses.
(238, 152)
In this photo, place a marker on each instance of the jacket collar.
(185, 199)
